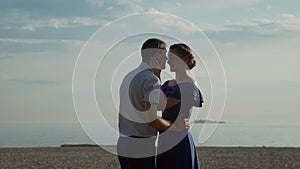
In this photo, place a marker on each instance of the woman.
(176, 149)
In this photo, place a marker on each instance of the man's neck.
(157, 72)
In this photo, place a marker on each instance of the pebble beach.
(89, 157)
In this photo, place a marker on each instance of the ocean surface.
(229, 134)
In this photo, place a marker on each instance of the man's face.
(161, 56)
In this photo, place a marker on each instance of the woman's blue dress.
(176, 150)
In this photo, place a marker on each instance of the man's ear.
(186, 59)
(146, 105)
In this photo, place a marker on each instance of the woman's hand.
(181, 124)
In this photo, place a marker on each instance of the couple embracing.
(142, 95)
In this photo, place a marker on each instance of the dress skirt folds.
(176, 149)
(182, 156)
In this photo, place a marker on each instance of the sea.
(226, 135)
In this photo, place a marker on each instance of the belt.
(138, 137)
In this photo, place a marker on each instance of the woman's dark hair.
(149, 46)
(183, 51)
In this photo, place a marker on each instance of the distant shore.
(203, 121)
(90, 156)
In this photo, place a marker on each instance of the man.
(139, 99)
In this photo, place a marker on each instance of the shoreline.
(94, 145)
(91, 156)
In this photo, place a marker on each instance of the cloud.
(226, 4)
(153, 10)
(86, 21)
(284, 24)
(39, 41)
(24, 20)
(150, 22)
(5, 57)
(15, 46)
(98, 3)
(47, 8)
(131, 5)
(121, 7)
(169, 22)
(5, 77)
(32, 25)
(269, 7)
(251, 9)
(56, 23)
(9, 79)
(153, 18)
(197, 8)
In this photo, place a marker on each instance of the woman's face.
(176, 64)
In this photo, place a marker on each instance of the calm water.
(53, 135)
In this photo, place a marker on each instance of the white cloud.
(86, 21)
(30, 45)
(26, 81)
(284, 23)
(132, 6)
(118, 8)
(37, 41)
(109, 8)
(57, 23)
(170, 22)
(29, 27)
(230, 3)
(269, 7)
(98, 3)
(153, 10)
(5, 77)
(204, 6)
(251, 9)
(155, 21)
(23, 20)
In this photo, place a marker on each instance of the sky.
(257, 41)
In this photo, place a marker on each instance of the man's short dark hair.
(149, 46)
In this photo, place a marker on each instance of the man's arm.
(165, 103)
(151, 104)
(158, 123)
(161, 124)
